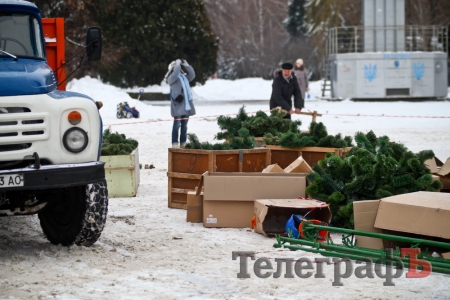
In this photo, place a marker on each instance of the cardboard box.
(423, 213)
(275, 168)
(228, 197)
(194, 208)
(444, 174)
(365, 213)
(272, 214)
(298, 166)
(433, 164)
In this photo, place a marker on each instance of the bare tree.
(253, 40)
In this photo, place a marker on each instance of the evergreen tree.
(374, 169)
(294, 24)
(140, 38)
(153, 33)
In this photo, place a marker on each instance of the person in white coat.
(181, 98)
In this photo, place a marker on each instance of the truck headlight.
(75, 140)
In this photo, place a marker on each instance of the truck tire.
(77, 217)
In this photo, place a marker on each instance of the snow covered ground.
(148, 251)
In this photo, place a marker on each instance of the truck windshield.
(20, 35)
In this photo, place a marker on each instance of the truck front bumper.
(52, 176)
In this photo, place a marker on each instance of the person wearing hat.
(284, 86)
(181, 99)
(302, 76)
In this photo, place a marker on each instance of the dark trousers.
(179, 122)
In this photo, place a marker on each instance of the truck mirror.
(94, 44)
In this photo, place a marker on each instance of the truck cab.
(50, 139)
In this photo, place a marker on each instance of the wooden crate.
(122, 174)
(186, 167)
(285, 156)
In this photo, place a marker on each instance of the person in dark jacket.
(284, 86)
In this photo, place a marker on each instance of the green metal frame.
(348, 249)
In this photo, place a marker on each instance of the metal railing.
(358, 39)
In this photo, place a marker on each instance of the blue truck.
(50, 139)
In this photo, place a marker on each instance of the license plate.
(11, 180)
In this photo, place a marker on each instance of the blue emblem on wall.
(396, 63)
(419, 70)
(370, 72)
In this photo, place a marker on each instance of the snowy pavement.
(149, 251)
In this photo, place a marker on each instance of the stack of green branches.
(374, 169)
(257, 125)
(239, 131)
(317, 136)
(243, 141)
(117, 144)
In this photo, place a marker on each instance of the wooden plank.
(120, 168)
(284, 157)
(189, 162)
(256, 162)
(169, 192)
(184, 175)
(318, 149)
(182, 191)
(177, 205)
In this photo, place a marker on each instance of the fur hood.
(277, 73)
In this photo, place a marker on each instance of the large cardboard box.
(228, 197)
(422, 213)
(298, 166)
(272, 214)
(365, 213)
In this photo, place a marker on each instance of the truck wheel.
(77, 217)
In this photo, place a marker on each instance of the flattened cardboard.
(365, 213)
(275, 168)
(228, 197)
(432, 165)
(444, 174)
(194, 209)
(272, 214)
(298, 166)
(424, 213)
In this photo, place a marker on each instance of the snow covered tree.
(295, 24)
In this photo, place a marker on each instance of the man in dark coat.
(284, 86)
